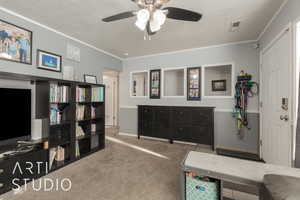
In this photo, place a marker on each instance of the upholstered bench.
(277, 187)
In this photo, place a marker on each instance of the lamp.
(142, 18)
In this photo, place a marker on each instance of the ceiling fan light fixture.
(143, 15)
(142, 18)
(141, 25)
(155, 26)
(160, 17)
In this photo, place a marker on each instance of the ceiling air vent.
(235, 26)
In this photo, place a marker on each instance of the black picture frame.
(3, 36)
(155, 84)
(218, 85)
(194, 86)
(86, 78)
(44, 67)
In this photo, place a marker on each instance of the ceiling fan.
(152, 15)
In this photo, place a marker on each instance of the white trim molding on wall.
(131, 86)
(203, 67)
(163, 70)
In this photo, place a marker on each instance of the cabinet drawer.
(203, 117)
(182, 116)
(193, 134)
(181, 133)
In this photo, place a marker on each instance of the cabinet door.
(181, 115)
(201, 135)
(161, 122)
(182, 133)
(146, 121)
(202, 117)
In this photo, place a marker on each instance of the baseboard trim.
(238, 154)
(127, 134)
(235, 149)
(153, 138)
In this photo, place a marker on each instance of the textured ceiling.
(82, 20)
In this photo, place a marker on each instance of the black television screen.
(15, 117)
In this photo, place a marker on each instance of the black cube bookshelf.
(60, 133)
(76, 113)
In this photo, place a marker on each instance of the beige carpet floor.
(128, 169)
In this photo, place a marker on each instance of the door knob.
(284, 117)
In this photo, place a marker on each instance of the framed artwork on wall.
(194, 84)
(155, 82)
(15, 43)
(90, 79)
(48, 61)
(218, 85)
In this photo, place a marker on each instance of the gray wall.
(290, 13)
(92, 61)
(244, 56)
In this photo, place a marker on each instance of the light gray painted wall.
(290, 13)
(244, 57)
(218, 73)
(92, 61)
(174, 83)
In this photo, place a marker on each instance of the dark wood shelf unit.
(61, 134)
(186, 124)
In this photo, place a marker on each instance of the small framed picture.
(48, 61)
(90, 79)
(194, 84)
(218, 85)
(155, 84)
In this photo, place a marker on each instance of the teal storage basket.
(199, 189)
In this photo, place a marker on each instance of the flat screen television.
(15, 115)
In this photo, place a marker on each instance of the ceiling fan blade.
(120, 16)
(182, 14)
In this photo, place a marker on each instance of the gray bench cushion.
(278, 187)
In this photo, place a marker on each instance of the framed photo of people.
(194, 84)
(15, 43)
(155, 83)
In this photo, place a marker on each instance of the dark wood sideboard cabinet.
(186, 124)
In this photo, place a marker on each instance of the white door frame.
(116, 108)
(290, 27)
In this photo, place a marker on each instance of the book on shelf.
(98, 94)
(93, 112)
(93, 128)
(80, 112)
(77, 152)
(56, 154)
(81, 94)
(79, 131)
(59, 93)
(55, 115)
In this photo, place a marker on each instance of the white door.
(276, 97)
(111, 99)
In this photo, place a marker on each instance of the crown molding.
(57, 32)
(272, 20)
(192, 49)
